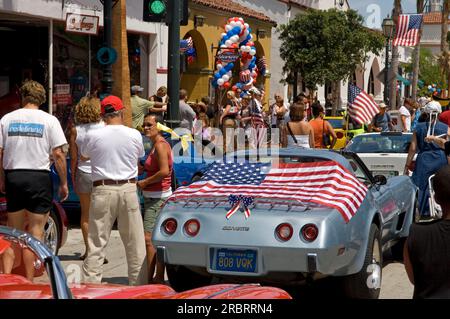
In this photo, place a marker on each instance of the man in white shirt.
(405, 115)
(114, 152)
(28, 137)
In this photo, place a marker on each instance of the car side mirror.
(380, 180)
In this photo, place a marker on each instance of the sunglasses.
(148, 125)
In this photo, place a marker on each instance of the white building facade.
(282, 12)
(147, 41)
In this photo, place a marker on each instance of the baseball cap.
(137, 88)
(111, 104)
(382, 105)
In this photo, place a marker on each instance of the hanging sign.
(228, 56)
(81, 23)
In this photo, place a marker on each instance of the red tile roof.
(432, 18)
(233, 7)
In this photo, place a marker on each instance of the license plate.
(385, 173)
(234, 260)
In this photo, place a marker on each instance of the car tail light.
(310, 232)
(170, 226)
(284, 231)
(339, 134)
(192, 227)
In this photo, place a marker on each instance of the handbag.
(325, 137)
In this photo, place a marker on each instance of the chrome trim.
(161, 253)
(312, 263)
(53, 266)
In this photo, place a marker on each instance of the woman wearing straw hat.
(430, 157)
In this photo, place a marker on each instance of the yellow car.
(343, 136)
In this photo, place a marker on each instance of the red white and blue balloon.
(236, 38)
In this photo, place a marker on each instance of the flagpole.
(346, 127)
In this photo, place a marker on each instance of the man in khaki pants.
(114, 152)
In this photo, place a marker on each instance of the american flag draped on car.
(325, 183)
(408, 28)
(361, 106)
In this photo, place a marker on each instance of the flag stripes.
(361, 106)
(408, 30)
(323, 183)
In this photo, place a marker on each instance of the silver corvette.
(284, 243)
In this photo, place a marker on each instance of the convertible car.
(186, 165)
(383, 153)
(290, 218)
(56, 229)
(15, 286)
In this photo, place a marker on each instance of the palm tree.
(395, 63)
(121, 70)
(416, 55)
(445, 58)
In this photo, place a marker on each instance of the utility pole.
(173, 78)
(107, 80)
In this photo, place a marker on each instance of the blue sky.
(374, 11)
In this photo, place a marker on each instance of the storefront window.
(71, 77)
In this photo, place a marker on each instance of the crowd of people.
(107, 156)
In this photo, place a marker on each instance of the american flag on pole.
(361, 106)
(408, 28)
(324, 183)
(186, 44)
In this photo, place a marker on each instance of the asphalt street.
(395, 284)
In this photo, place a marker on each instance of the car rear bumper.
(330, 261)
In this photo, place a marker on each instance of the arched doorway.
(374, 71)
(371, 83)
(194, 79)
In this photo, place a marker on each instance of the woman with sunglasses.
(156, 188)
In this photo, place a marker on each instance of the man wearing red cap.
(114, 151)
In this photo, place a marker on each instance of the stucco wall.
(196, 79)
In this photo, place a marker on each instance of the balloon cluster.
(432, 88)
(237, 39)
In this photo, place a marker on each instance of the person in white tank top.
(297, 131)
(87, 118)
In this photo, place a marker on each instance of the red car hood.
(17, 287)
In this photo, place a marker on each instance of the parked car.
(185, 165)
(287, 243)
(55, 230)
(383, 153)
(15, 286)
(343, 136)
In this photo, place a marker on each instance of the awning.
(402, 79)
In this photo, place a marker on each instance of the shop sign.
(228, 56)
(62, 99)
(81, 23)
(62, 89)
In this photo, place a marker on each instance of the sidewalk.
(395, 283)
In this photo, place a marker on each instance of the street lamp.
(388, 32)
(199, 21)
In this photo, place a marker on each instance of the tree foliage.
(429, 69)
(327, 45)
